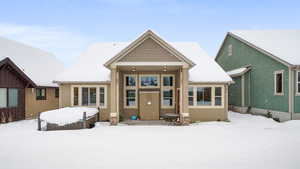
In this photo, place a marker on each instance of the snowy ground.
(246, 142)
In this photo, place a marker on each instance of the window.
(298, 82)
(278, 83)
(130, 98)
(218, 96)
(130, 89)
(9, 97)
(13, 97)
(229, 49)
(102, 96)
(56, 92)
(40, 93)
(191, 96)
(85, 96)
(168, 98)
(130, 80)
(167, 90)
(149, 81)
(89, 96)
(203, 96)
(168, 80)
(3, 97)
(206, 96)
(75, 96)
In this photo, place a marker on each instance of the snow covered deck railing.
(68, 118)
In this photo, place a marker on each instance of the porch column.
(184, 109)
(114, 114)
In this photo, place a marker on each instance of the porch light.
(133, 69)
(165, 68)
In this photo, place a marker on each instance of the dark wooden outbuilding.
(12, 78)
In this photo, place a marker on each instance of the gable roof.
(141, 39)
(89, 67)
(21, 74)
(282, 45)
(40, 66)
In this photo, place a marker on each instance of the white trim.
(167, 88)
(130, 88)
(297, 83)
(97, 95)
(149, 64)
(275, 84)
(243, 90)
(145, 75)
(212, 96)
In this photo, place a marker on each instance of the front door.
(149, 105)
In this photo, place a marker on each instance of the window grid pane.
(279, 83)
(92, 96)
(218, 96)
(130, 97)
(203, 96)
(168, 80)
(149, 81)
(75, 96)
(102, 96)
(85, 96)
(168, 97)
(3, 97)
(13, 97)
(130, 81)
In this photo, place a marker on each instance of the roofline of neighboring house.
(7, 60)
(253, 46)
(139, 40)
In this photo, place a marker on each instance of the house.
(26, 86)
(265, 67)
(148, 77)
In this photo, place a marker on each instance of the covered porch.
(148, 91)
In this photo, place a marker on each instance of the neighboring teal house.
(265, 65)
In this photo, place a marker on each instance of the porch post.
(114, 114)
(184, 110)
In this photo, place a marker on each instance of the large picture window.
(89, 96)
(41, 94)
(149, 81)
(206, 96)
(167, 90)
(278, 84)
(130, 91)
(203, 96)
(9, 97)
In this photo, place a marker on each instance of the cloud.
(64, 44)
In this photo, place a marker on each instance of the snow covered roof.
(40, 66)
(283, 44)
(238, 71)
(90, 64)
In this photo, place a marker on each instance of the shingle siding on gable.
(261, 75)
(149, 51)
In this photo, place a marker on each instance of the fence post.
(39, 122)
(84, 120)
(98, 114)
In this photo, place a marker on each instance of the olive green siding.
(261, 76)
(247, 89)
(235, 94)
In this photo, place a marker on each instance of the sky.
(67, 27)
